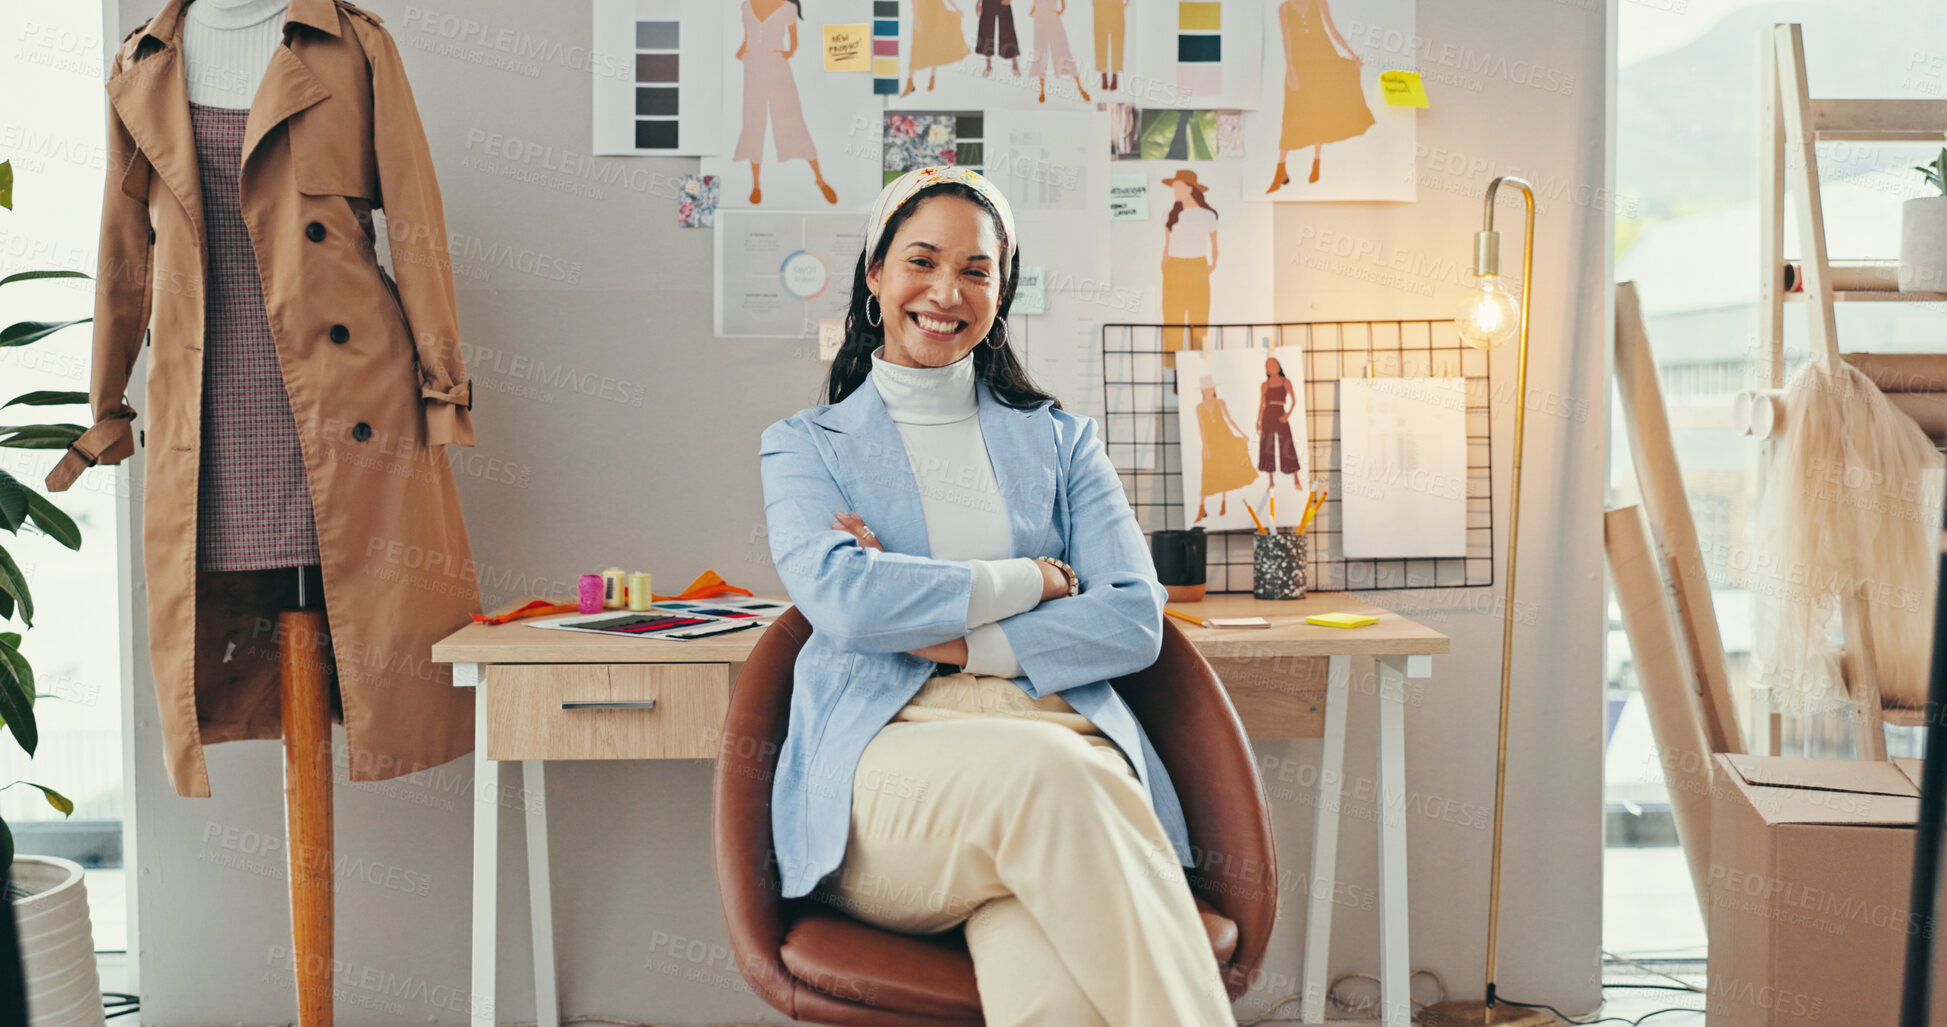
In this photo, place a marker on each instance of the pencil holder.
(1278, 565)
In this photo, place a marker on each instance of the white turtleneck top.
(936, 409)
(227, 45)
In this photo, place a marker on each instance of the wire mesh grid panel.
(1140, 432)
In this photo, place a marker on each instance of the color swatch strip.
(1199, 47)
(658, 74)
(885, 47)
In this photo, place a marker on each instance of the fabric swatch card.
(654, 93)
(1403, 467)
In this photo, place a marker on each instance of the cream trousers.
(1018, 817)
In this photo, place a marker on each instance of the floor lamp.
(1488, 319)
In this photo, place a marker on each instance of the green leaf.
(14, 584)
(44, 398)
(22, 276)
(13, 502)
(39, 436)
(16, 702)
(51, 519)
(11, 638)
(23, 332)
(7, 201)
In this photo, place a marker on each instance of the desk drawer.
(526, 718)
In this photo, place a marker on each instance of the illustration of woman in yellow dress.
(770, 93)
(937, 39)
(1226, 455)
(1189, 257)
(1323, 102)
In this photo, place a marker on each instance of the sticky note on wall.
(1402, 88)
(1129, 196)
(848, 47)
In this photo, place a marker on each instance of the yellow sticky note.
(1402, 88)
(848, 47)
(1341, 620)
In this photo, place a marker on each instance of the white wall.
(578, 481)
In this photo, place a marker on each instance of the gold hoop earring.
(869, 319)
(1001, 323)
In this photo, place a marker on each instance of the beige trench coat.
(373, 369)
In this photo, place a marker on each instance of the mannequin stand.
(306, 693)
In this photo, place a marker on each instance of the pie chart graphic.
(805, 274)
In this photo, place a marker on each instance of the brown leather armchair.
(814, 963)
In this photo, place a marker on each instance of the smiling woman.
(974, 578)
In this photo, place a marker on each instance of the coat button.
(340, 333)
(361, 431)
(314, 232)
(152, 235)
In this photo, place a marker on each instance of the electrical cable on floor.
(1619, 957)
(119, 1003)
(1606, 1019)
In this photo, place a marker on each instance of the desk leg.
(1325, 842)
(486, 860)
(1395, 972)
(540, 892)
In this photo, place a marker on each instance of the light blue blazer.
(867, 607)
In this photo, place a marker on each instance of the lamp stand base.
(1473, 1013)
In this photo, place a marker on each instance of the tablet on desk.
(656, 623)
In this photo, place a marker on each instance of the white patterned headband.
(902, 189)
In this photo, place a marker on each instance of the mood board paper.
(1323, 102)
(1053, 168)
(1212, 265)
(794, 136)
(989, 54)
(1242, 428)
(1403, 466)
(778, 274)
(655, 88)
(1198, 53)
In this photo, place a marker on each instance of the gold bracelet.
(1074, 583)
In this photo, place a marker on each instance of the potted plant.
(50, 902)
(1923, 233)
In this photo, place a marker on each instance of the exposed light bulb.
(1488, 315)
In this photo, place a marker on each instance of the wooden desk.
(551, 695)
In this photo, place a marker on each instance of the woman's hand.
(853, 523)
(954, 652)
(1054, 584)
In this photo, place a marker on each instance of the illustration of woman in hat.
(1189, 256)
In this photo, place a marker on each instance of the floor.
(1647, 918)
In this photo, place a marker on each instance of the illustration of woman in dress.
(1111, 31)
(1323, 102)
(938, 39)
(770, 38)
(1051, 53)
(1277, 400)
(998, 14)
(1226, 456)
(1189, 256)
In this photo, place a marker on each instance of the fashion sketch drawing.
(771, 93)
(1323, 100)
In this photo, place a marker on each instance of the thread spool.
(640, 597)
(615, 586)
(590, 596)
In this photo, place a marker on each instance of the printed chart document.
(779, 274)
(1403, 472)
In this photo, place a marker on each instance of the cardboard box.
(1811, 865)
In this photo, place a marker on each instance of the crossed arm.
(871, 600)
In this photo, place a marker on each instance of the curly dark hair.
(998, 367)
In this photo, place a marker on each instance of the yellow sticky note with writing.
(1402, 88)
(1341, 620)
(848, 47)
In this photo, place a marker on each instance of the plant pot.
(1923, 244)
(57, 943)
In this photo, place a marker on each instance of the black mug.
(1180, 567)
